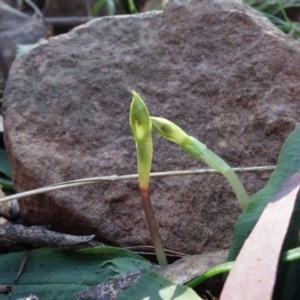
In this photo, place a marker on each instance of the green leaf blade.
(154, 286)
(288, 164)
(4, 164)
(59, 274)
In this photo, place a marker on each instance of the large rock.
(216, 68)
(15, 28)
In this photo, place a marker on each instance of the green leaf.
(121, 266)
(59, 274)
(169, 130)
(111, 7)
(6, 175)
(4, 164)
(154, 286)
(287, 287)
(287, 257)
(6, 184)
(141, 128)
(139, 119)
(288, 164)
(132, 7)
(259, 256)
(97, 7)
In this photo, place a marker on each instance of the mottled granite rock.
(217, 68)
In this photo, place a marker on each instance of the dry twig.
(38, 236)
(94, 180)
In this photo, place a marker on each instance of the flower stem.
(141, 129)
(237, 187)
(216, 162)
(156, 240)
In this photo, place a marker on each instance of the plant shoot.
(141, 127)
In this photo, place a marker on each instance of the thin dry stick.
(93, 180)
(22, 265)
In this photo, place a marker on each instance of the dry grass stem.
(94, 180)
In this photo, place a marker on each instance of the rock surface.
(216, 68)
(15, 28)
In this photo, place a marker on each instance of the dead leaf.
(253, 275)
(190, 267)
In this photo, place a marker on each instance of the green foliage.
(108, 4)
(5, 173)
(132, 7)
(5, 169)
(287, 287)
(287, 257)
(59, 274)
(288, 164)
(154, 286)
(276, 12)
(112, 6)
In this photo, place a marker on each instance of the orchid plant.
(141, 124)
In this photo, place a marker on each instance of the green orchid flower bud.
(141, 128)
(139, 118)
(198, 150)
(168, 130)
